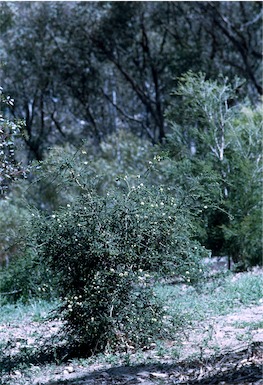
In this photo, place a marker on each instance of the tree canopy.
(86, 69)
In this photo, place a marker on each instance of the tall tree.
(87, 69)
(235, 31)
(27, 76)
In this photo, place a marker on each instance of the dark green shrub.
(199, 188)
(21, 275)
(12, 229)
(106, 251)
(25, 279)
(244, 232)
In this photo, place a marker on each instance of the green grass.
(250, 325)
(183, 303)
(36, 310)
(218, 297)
(214, 298)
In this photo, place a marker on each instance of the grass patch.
(36, 310)
(250, 325)
(218, 297)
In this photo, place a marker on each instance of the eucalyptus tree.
(113, 62)
(86, 69)
(227, 142)
(27, 63)
(234, 36)
(137, 48)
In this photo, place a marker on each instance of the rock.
(144, 374)
(104, 375)
(158, 375)
(69, 369)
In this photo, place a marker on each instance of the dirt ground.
(222, 350)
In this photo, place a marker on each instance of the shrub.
(25, 279)
(211, 129)
(200, 190)
(54, 181)
(106, 251)
(21, 276)
(244, 232)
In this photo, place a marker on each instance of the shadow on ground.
(194, 373)
(244, 366)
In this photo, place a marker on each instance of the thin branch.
(125, 114)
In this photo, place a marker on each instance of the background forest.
(131, 147)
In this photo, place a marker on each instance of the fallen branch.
(11, 292)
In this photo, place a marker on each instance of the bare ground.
(222, 350)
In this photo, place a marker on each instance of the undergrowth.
(184, 305)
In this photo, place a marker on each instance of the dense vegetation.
(130, 149)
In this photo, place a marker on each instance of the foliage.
(244, 231)
(21, 275)
(200, 188)
(25, 279)
(10, 168)
(12, 234)
(66, 170)
(105, 250)
(211, 133)
(93, 68)
(206, 115)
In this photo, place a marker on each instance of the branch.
(11, 292)
(241, 49)
(57, 124)
(253, 21)
(125, 114)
